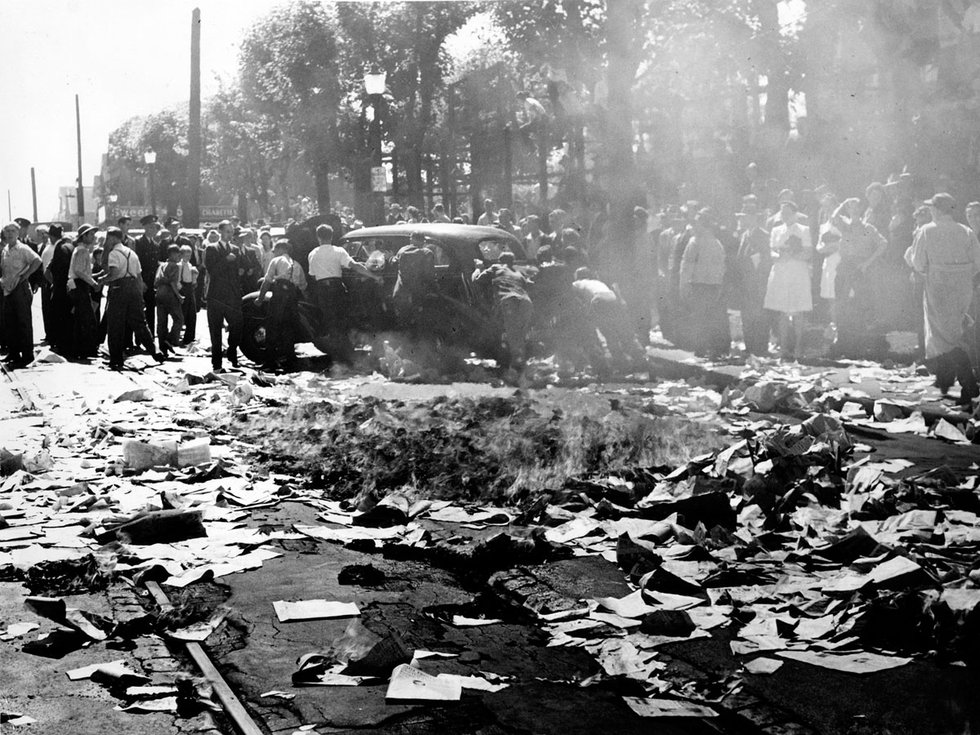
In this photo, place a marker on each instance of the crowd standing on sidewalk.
(807, 275)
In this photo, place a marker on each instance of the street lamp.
(150, 157)
(374, 88)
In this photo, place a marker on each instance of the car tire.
(253, 344)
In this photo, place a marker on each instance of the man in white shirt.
(18, 262)
(489, 215)
(125, 311)
(327, 265)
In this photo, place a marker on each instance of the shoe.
(159, 357)
(115, 366)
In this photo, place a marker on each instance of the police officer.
(146, 248)
(125, 310)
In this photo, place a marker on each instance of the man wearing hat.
(17, 264)
(173, 229)
(947, 255)
(24, 226)
(147, 249)
(125, 310)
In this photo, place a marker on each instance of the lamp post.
(150, 157)
(374, 88)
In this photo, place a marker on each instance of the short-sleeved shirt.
(328, 261)
(126, 261)
(16, 263)
(283, 267)
(592, 290)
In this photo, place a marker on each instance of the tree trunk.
(776, 112)
(243, 206)
(321, 180)
(621, 167)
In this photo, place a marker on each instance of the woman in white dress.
(788, 291)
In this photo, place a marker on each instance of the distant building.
(68, 205)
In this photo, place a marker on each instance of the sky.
(122, 57)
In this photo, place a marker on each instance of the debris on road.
(314, 610)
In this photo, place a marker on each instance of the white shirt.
(47, 254)
(328, 261)
(120, 257)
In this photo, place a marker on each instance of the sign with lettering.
(218, 212)
(379, 179)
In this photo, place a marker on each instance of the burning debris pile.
(483, 448)
(780, 544)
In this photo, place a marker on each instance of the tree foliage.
(165, 133)
(289, 71)
(249, 151)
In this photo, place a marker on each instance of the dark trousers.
(17, 325)
(218, 314)
(332, 303)
(708, 315)
(189, 292)
(283, 320)
(330, 297)
(514, 315)
(60, 317)
(613, 321)
(149, 305)
(955, 366)
(170, 312)
(855, 311)
(84, 327)
(126, 315)
(755, 330)
(46, 311)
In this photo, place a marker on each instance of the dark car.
(463, 312)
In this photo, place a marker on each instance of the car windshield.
(362, 249)
(491, 249)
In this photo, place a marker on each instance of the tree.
(404, 40)
(248, 151)
(289, 70)
(165, 133)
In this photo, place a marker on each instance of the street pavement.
(258, 654)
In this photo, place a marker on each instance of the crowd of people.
(810, 276)
(801, 273)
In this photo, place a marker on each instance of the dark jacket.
(147, 251)
(223, 261)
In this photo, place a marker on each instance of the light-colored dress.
(948, 255)
(788, 290)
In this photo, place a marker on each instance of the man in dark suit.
(225, 264)
(146, 248)
(56, 275)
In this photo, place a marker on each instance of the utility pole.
(192, 207)
(34, 193)
(80, 197)
(10, 214)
